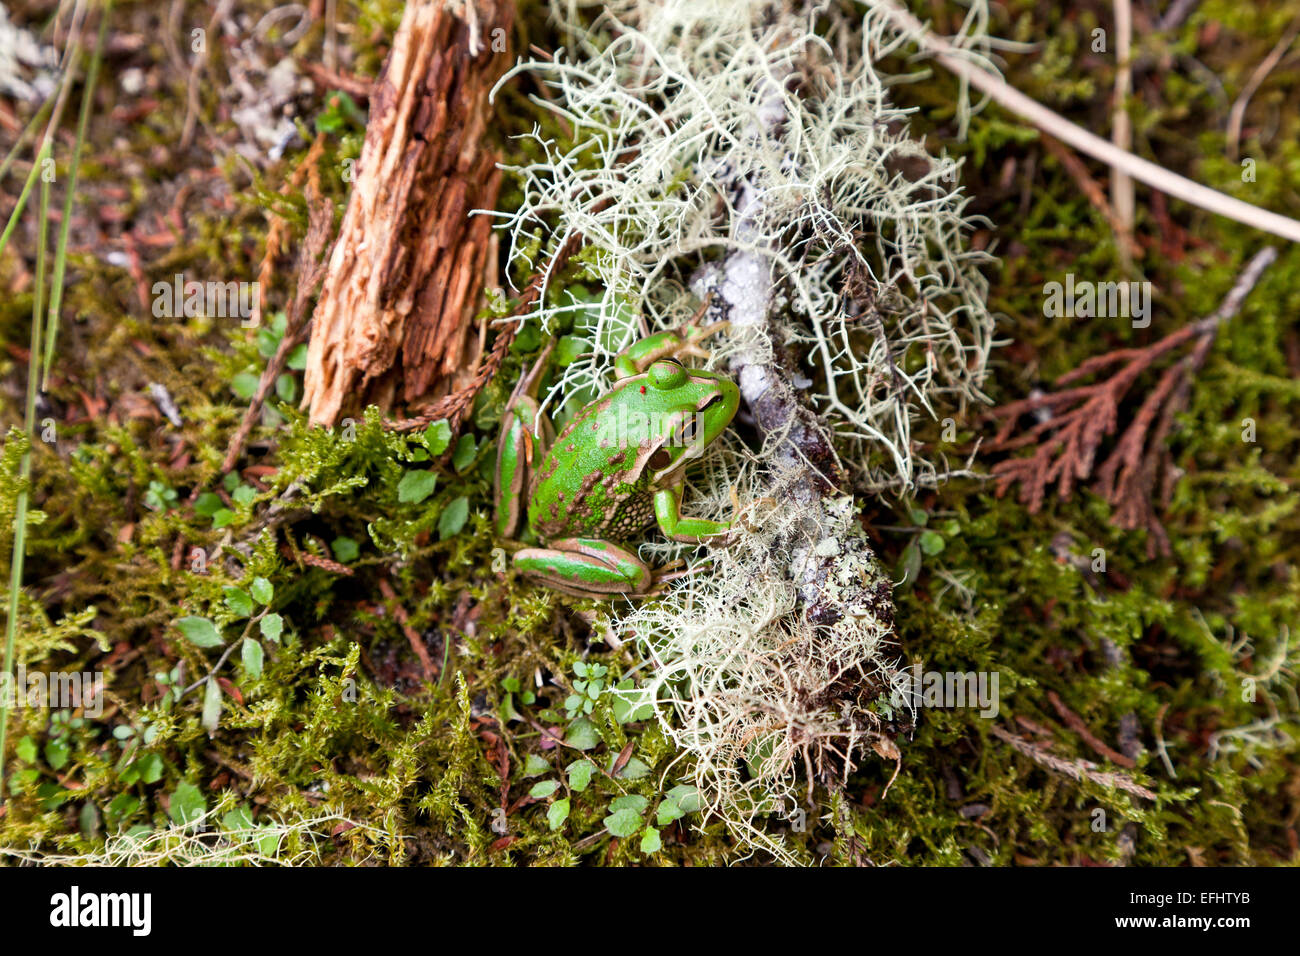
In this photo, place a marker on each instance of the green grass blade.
(25, 469)
(18, 554)
(61, 251)
(28, 132)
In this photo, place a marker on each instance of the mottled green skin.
(615, 470)
(599, 477)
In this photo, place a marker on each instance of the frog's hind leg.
(585, 567)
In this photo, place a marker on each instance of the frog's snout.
(721, 408)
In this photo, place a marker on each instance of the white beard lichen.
(725, 152)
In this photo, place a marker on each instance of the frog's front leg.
(668, 504)
(676, 343)
(518, 447)
(585, 567)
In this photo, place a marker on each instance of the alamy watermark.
(182, 298)
(55, 690)
(915, 688)
(636, 429)
(1102, 300)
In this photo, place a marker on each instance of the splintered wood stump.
(407, 272)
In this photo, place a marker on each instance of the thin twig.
(1076, 723)
(1121, 133)
(1238, 113)
(1074, 769)
(998, 90)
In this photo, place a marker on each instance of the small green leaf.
(239, 602)
(211, 706)
(262, 590)
(244, 385)
(463, 456)
(919, 517)
(623, 823)
(208, 504)
(238, 820)
(286, 386)
(57, 754)
(557, 813)
(346, 550)
(909, 564)
(222, 517)
(634, 769)
(251, 655)
(26, 750)
(297, 359)
(187, 804)
(686, 797)
(271, 626)
(582, 734)
(535, 765)
(199, 631)
(244, 495)
(650, 842)
(415, 486)
(667, 812)
(543, 789)
(932, 542)
(580, 772)
(629, 801)
(268, 341)
(437, 437)
(453, 518)
(569, 349)
(150, 767)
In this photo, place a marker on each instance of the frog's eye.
(667, 373)
(660, 459)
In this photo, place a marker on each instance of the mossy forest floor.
(391, 714)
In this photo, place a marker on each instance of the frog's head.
(696, 407)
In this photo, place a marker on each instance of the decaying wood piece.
(406, 275)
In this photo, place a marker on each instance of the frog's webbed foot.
(586, 567)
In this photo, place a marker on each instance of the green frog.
(616, 469)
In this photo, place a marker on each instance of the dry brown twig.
(313, 260)
(1065, 445)
(1077, 724)
(1074, 769)
(1079, 173)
